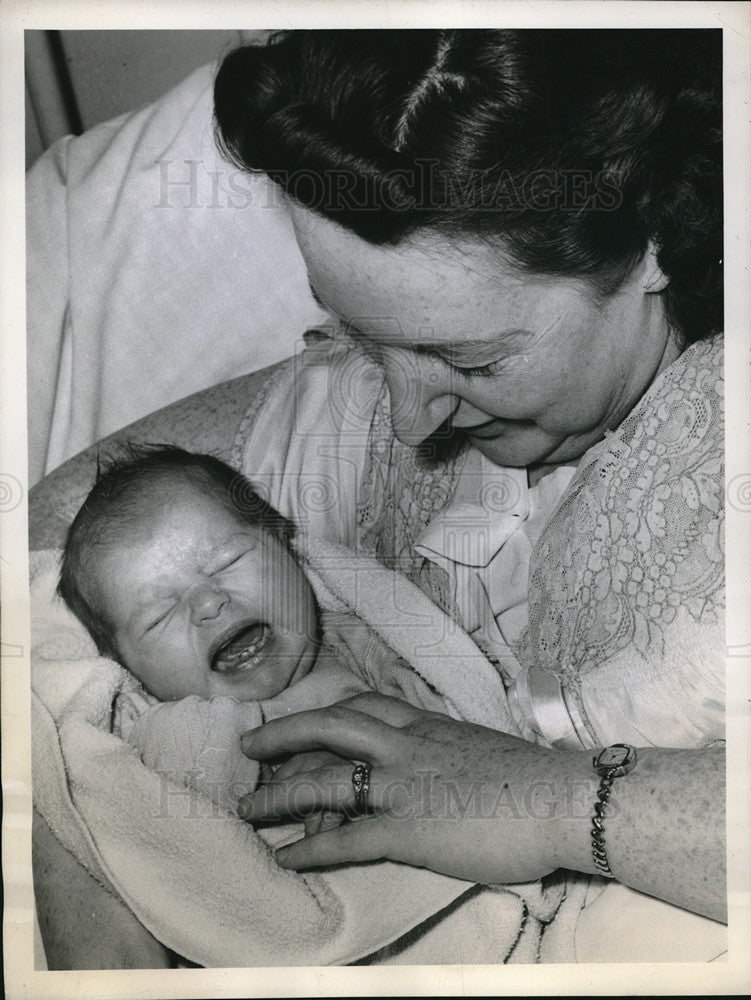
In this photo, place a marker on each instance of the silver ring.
(361, 786)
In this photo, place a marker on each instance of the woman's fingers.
(367, 840)
(321, 821)
(326, 789)
(393, 711)
(342, 730)
(301, 763)
(296, 796)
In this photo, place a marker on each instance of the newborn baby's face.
(203, 603)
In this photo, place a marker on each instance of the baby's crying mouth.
(241, 650)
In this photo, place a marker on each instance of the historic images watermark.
(11, 492)
(426, 796)
(422, 187)
(739, 493)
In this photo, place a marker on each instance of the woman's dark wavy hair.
(573, 148)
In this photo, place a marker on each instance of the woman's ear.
(653, 277)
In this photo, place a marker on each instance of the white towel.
(206, 884)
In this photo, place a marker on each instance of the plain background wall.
(109, 72)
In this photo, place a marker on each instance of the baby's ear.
(654, 278)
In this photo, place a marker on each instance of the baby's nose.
(207, 602)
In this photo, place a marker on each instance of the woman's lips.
(487, 430)
(242, 649)
(498, 426)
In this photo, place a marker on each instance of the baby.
(182, 573)
(228, 616)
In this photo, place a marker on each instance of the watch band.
(610, 763)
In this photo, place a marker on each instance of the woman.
(523, 230)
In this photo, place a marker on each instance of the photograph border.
(732, 974)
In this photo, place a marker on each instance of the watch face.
(613, 757)
(616, 758)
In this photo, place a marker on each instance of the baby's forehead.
(192, 488)
(159, 543)
(156, 505)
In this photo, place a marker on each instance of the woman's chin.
(509, 450)
(525, 449)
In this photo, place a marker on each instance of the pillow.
(154, 269)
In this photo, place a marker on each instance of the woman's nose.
(207, 601)
(421, 395)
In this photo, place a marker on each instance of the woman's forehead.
(426, 257)
(429, 290)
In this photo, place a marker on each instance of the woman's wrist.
(575, 786)
(663, 827)
(625, 817)
(83, 926)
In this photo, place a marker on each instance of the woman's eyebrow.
(500, 341)
(463, 346)
(458, 348)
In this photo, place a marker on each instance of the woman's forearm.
(83, 926)
(664, 827)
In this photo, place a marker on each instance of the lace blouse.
(598, 593)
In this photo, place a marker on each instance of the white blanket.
(203, 882)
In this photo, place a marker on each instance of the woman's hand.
(303, 764)
(480, 805)
(460, 799)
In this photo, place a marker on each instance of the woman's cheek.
(506, 396)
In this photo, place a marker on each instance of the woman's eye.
(491, 368)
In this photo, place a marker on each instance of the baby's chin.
(273, 677)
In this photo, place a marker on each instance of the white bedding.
(154, 270)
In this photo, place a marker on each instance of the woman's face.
(533, 369)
